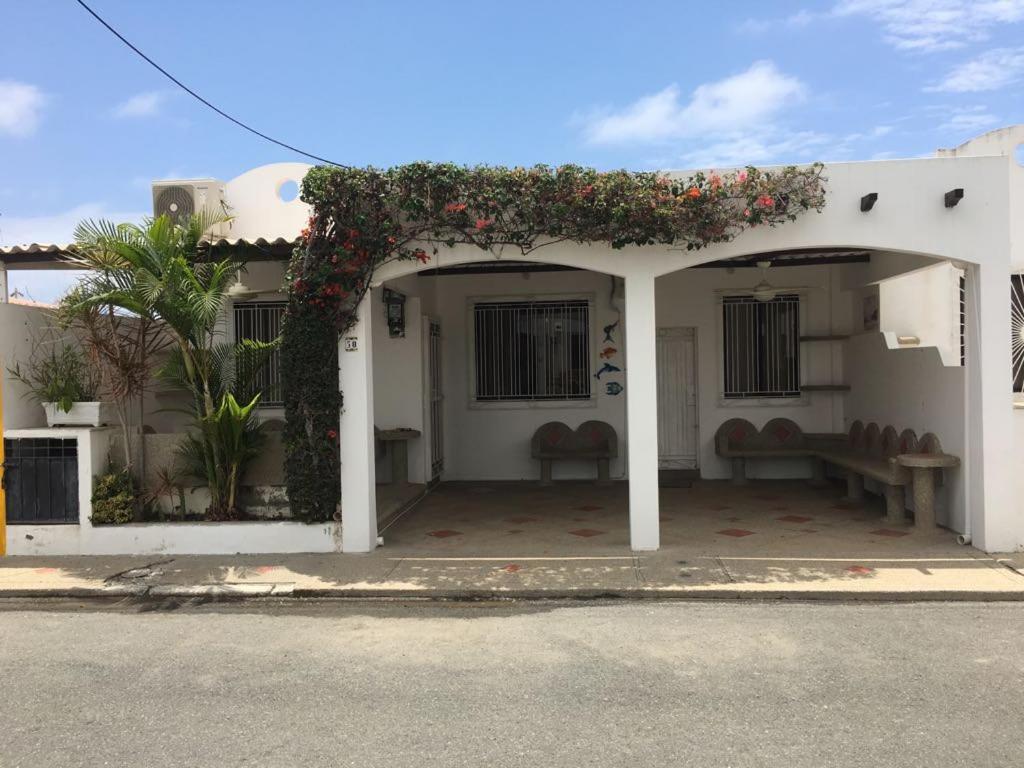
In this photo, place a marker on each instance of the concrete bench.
(592, 440)
(893, 459)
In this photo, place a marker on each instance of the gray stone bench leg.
(924, 497)
(545, 472)
(603, 472)
(739, 470)
(894, 503)
(818, 477)
(854, 487)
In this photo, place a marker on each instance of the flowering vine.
(365, 217)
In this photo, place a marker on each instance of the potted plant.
(58, 376)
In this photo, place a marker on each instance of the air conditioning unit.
(179, 199)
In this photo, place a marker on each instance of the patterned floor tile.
(794, 519)
(859, 570)
(586, 533)
(737, 532)
(512, 568)
(889, 532)
(444, 533)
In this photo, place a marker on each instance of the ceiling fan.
(764, 291)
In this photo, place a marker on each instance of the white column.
(358, 473)
(642, 413)
(990, 465)
(3, 283)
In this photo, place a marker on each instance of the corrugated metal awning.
(61, 255)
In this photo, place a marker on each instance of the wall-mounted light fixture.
(394, 306)
(867, 202)
(953, 197)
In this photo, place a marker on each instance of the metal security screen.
(532, 350)
(41, 480)
(761, 346)
(261, 321)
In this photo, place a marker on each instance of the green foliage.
(113, 498)
(366, 217)
(165, 271)
(57, 372)
(219, 450)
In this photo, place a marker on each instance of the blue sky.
(85, 125)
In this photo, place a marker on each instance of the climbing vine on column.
(365, 217)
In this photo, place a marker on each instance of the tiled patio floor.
(765, 518)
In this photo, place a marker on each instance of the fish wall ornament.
(606, 368)
(608, 352)
(612, 388)
(608, 331)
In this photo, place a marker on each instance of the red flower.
(421, 256)
(391, 241)
(693, 193)
(766, 201)
(332, 434)
(484, 223)
(455, 207)
(587, 191)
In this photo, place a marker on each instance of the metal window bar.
(532, 350)
(261, 321)
(41, 480)
(1017, 331)
(761, 346)
(436, 403)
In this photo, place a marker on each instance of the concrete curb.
(287, 591)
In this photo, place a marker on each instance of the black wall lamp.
(868, 201)
(394, 305)
(953, 197)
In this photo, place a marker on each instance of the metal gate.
(41, 480)
(436, 395)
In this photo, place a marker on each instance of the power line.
(195, 95)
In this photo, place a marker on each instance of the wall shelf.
(833, 337)
(825, 388)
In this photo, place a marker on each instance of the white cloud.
(48, 285)
(990, 71)
(741, 150)
(58, 227)
(20, 107)
(141, 105)
(934, 25)
(911, 25)
(969, 120)
(742, 101)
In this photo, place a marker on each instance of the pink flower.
(455, 207)
(483, 223)
(741, 177)
(766, 201)
(421, 256)
(332, 434)
(716, 181)
(693, 193)
(746, 213)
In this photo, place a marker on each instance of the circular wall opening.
(288, 191)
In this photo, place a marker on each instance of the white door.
(677, 398)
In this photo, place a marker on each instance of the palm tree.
(162, 271)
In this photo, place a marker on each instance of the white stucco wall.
(19, 325)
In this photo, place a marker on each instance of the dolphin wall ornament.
(606, 368)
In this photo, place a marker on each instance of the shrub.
(113, 498)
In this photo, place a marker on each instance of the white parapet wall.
(921, 308)
(201, 538)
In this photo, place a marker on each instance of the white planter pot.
(81, 415)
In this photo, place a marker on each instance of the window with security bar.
(261, 321)
(532, 350)
(761, 347)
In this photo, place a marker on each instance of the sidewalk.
(967, 575)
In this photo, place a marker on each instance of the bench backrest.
(741, 435)
(591, 438)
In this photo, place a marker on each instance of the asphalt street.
(307, 683)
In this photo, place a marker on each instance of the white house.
(890, 307)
